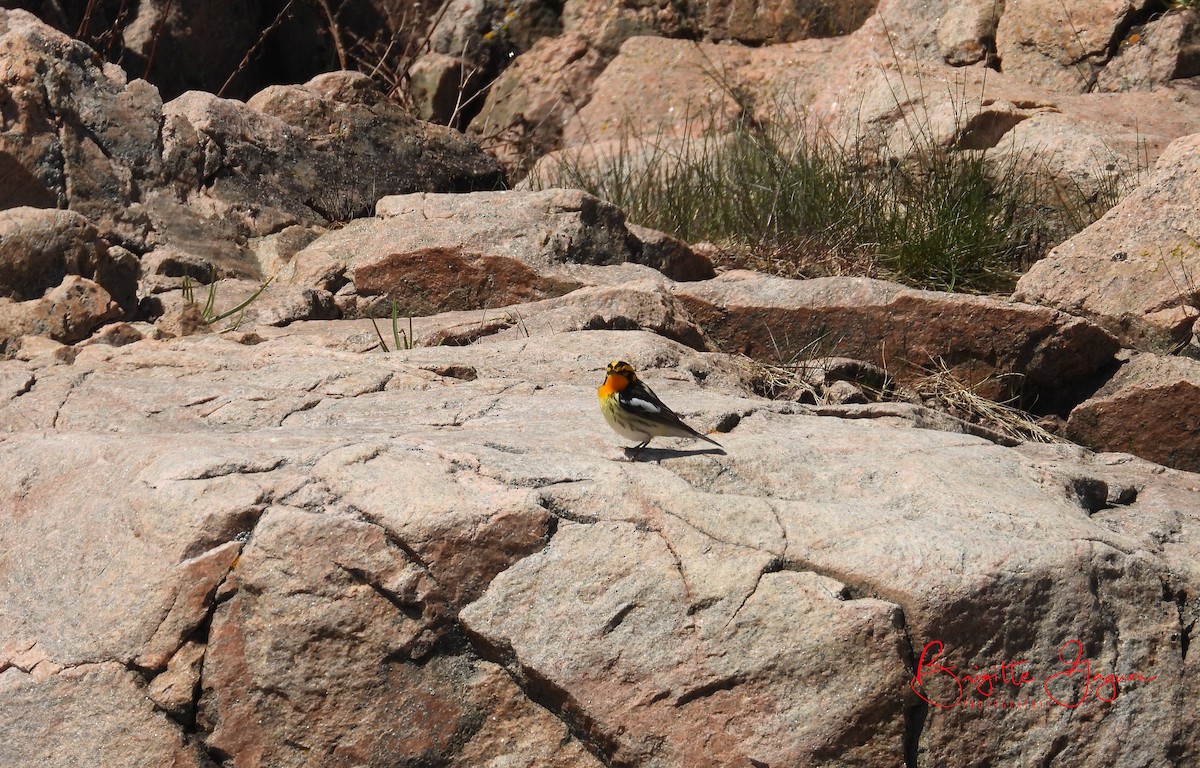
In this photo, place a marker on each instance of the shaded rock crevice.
(23, 387)
(559, 512)
(306, 405)
(1187, 608)
(392, 539)
(915, 715)
(916, 709)
(73, 383)
(411, 609)
(184, 711)
(552, 698)
(1134, 18)
(710, 688)
(919, 416)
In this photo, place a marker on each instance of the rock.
(818, 380)
(1150, 408)
(1133, 270)
(285, 306)
(96, 714)
(966, 33)
(167, 268)
(517, 729)
(438, 533)
(501, 248)
(839, 380)
(39, 247)
(67, 313)
(389, 606)
(486, 31)
(183, 319)
(76, 134)
(120, 334)
(523, 116)
(1057, 46)
(755, 24)
(174, 690)
(295, 158)
(443, 87)
(645, 305)
(637, 300)
(844, 393)
(1088, 148)
(606, 26)
(275, 251)
(705, 661)
(246, 304)
(535, 100)
(860, 93)
(118, 273)
(761, 23)
(670, 256)
(206, 43)
(794, 86)
(345, 118)
(42, 350)
(303, 155)
(205, 175)
(661, 88)
(1017, 348)
(1166, 48)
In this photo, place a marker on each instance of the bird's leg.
(638, 448)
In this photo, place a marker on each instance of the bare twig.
(335, 33)
(86, 21)
(412, 56)
(158, 30)
(283, 15)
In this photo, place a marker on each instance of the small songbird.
(635, 412)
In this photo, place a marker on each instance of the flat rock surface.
(443, 555)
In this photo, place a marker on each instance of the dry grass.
(943, 391)
(940, 391)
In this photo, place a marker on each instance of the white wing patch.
(645, 406)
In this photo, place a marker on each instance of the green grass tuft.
(779, 201)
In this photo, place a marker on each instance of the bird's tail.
(707, 439)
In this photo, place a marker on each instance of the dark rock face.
(202, 172)
(209, 182)
(77, 134)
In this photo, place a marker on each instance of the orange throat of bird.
(613, 383)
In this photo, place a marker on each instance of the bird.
(634, 412)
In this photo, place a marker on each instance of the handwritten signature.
(1103, 687)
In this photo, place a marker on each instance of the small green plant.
(208, 312)
(402, 340)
